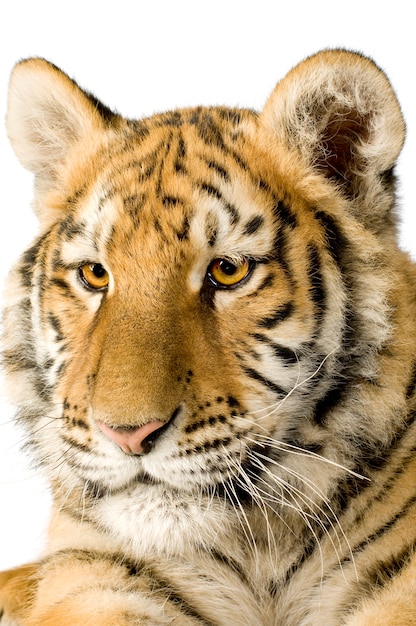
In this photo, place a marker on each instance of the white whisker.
(313, 507)
(273, 408)
(288, 447)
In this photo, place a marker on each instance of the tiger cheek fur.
(211, 344)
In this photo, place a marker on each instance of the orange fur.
(220, 293)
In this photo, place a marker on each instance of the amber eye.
(94, 276)
(224, 273)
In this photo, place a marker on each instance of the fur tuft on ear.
(48, 114)
(337, 109)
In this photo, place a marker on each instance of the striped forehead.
(86, 233)
(183, 187)
(230, 220)
(224, 220)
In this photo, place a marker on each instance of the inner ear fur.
(338, 111)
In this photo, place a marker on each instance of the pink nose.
(130, 440)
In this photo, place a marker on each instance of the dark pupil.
(227, 267)
(98, 270)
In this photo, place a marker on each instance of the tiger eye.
(94, 276)
(225, 273)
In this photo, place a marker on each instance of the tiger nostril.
(149, 441)
(136, 440)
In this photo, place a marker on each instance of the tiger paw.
(16, 590)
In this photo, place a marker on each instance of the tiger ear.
(338, 110)
(48, 114)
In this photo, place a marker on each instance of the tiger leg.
(93, 589)
(391, 605)
(17, 588)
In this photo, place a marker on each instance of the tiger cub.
(212, 345)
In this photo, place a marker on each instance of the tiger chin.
(211, 344)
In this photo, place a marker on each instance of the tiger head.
(209, 297)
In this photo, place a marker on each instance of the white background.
(144, 56)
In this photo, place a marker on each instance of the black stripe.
(194, 115)
(145, 167)
(30, 256)
(140, 129)
(285, 215)
(267, 282)
(339, 249)
(287, 222)
(134, 568)
(220, 170)
(231, 564)
(280, 248)
(336, 242)
(317, 289)
(261, 183)
(375, 577)
(61, 285)
(166, 148)
(171, 201)
(171, 118)
(212, 238)
(232, 116)
(370, 458)
(331, 399)
(253, 225)
(283, 311)
(29, 260)
(179, 164)
(241, 163)
(133, 205)
(181, 149)
(282, 352)
(216, 193)
(252, 373)
(385, 528)
(211, 191)
(349, 489)
(184, 232)
(76, 444)
(382, 572)
(75, 197)
(378, 576)
(180, 154)
(41, 386)
(55, 322)
(70, 228)
(161, 587)
(209, 131)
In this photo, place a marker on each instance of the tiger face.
(165, 298)
(196, 292)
